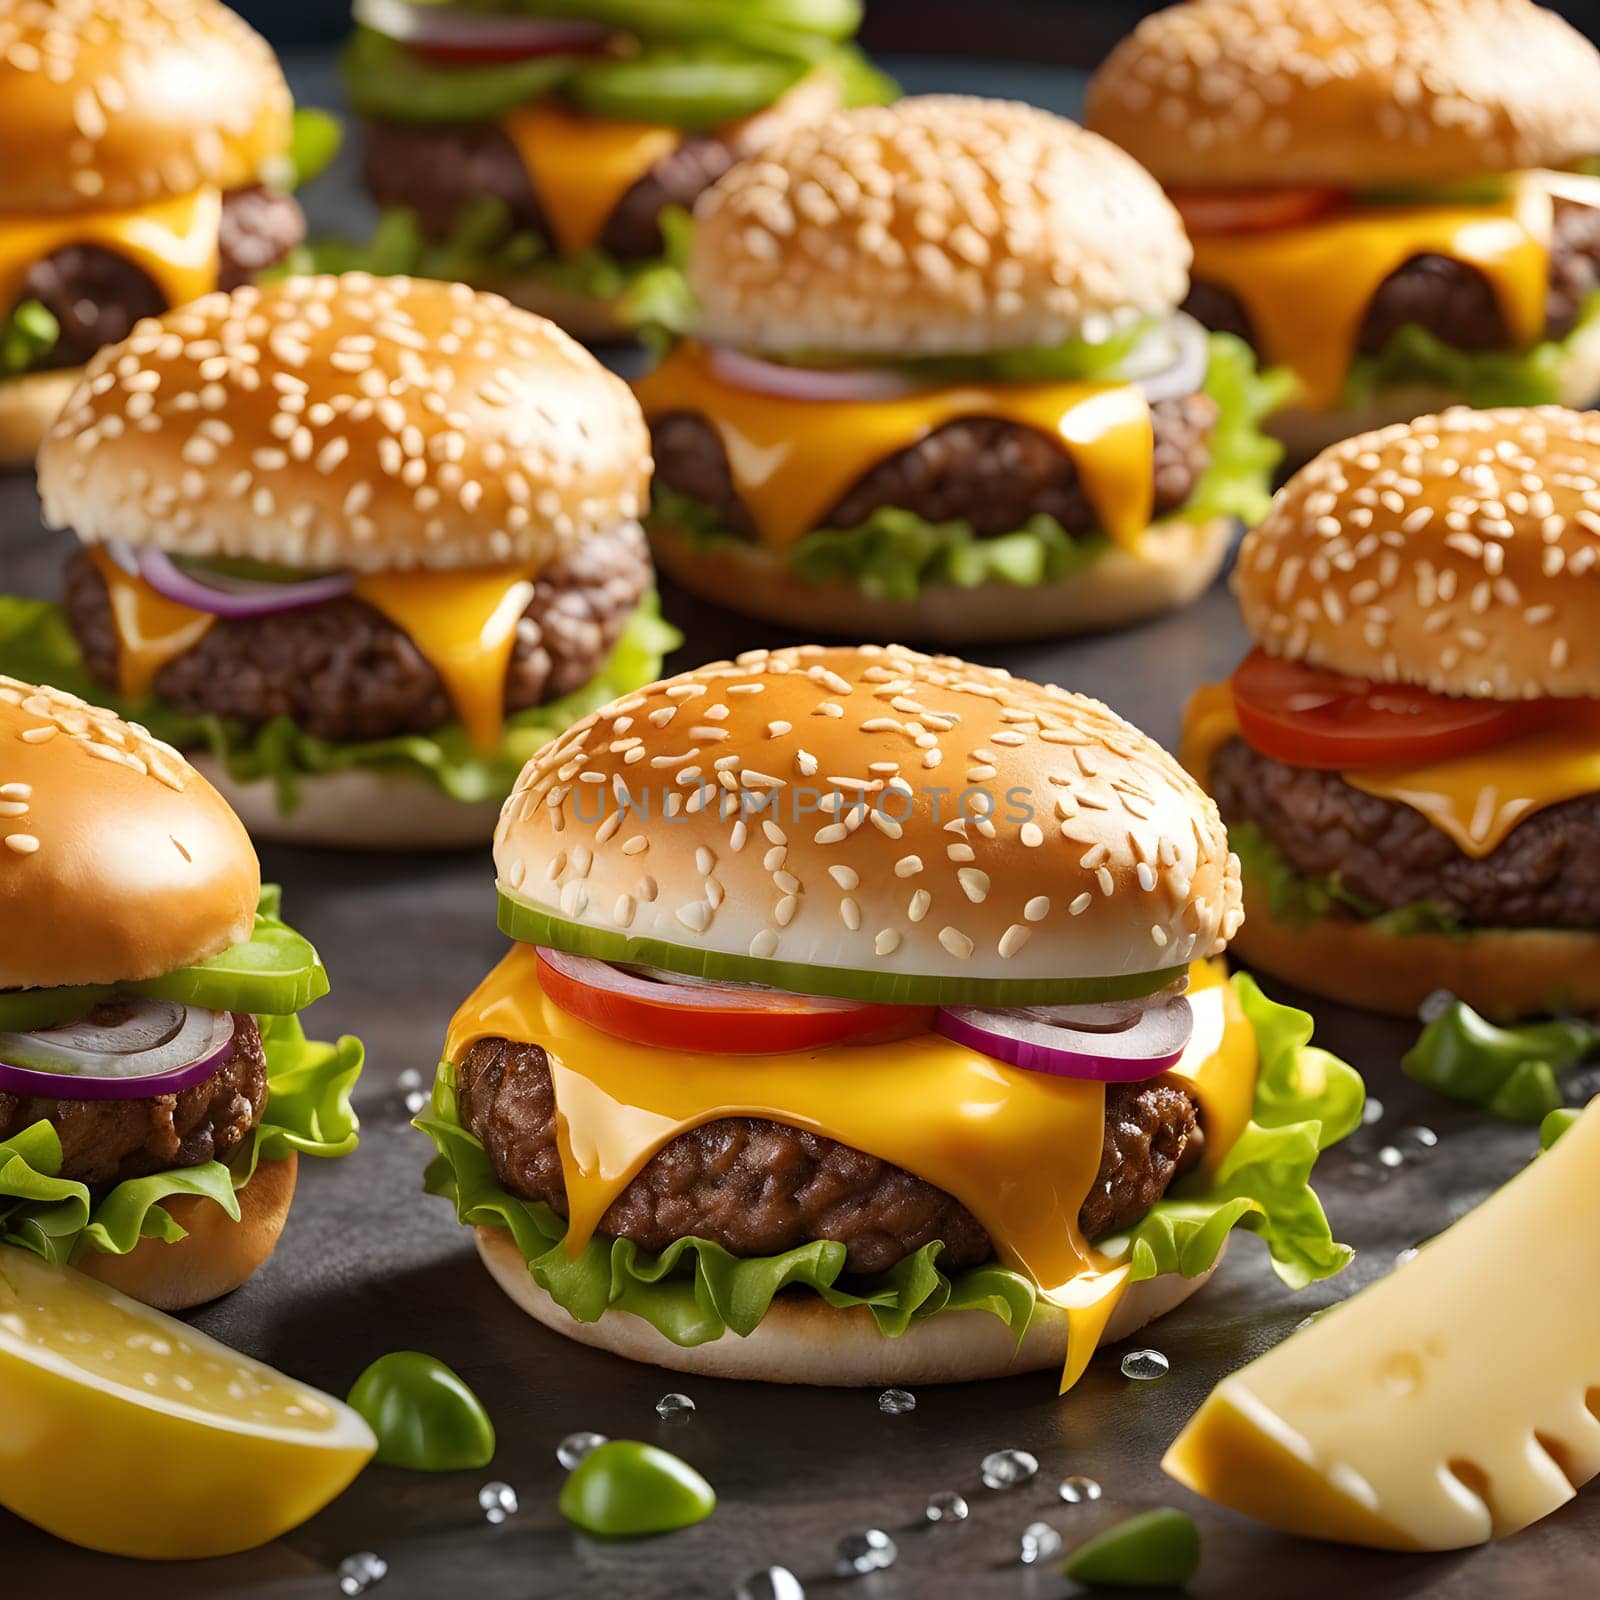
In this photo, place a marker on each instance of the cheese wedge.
(1453, 1402)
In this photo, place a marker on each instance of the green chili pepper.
(425, 1417)
(624, 1489)
(1156, 1550)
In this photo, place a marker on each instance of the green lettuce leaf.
(1556, 1124)
(315, 139)
(37, 645)
(895, 554)
(308, 1110)
(27, 335)
(694, 1290)
(1481, 378)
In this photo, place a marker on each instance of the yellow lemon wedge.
(123, 1430)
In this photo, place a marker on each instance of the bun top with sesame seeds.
(1460, 553)
(878, 810)
(1353, 94)
(107, 104)
(118, 861)
(938, 225)
(351, 422)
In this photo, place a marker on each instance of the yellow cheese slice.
(1019, 1149)
(1455, 1401)
(1307, 289)
(174, 242)
(1476, 799)
(581, 165)
(793, 460)
(463, 623)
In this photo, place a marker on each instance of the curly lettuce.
(36, 644)
(28, 333)
(895, 554)
(695, 1291)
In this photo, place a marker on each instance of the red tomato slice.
(714, 1019)
(1253, 210)
(1310, 717)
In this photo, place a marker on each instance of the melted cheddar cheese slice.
(174, 243)
(581, 165)
(1306, 289)
(1019, 1149)
(463, 623)
(1475, 799)
(792, 460)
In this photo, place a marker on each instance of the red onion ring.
(155, 1047)
(698, 993)
(445, 27)
(1103, 1043)
(746, 371)
(230, 598)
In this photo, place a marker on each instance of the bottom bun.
(362, 809)
(802, 1339)
(28, 405)
(1500, 972)
(1178, 563)
(584, 316)
(217, 1256)
(1304, 432)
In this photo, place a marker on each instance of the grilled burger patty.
(991, 473)
(104, 1142)
(342, 670)
(97, 296)
(758, 1188)
(1449, 299)
(1545, 875)
(435, 171)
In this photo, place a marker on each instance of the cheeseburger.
(1375, 196)
(367, 543)
(146, 143)
(541, 147)
(865, 1024)
(939, 386)
(1406, 762)
(156, 1088)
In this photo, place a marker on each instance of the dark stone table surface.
(368, 1264)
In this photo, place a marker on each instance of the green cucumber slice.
(690, 89)
(384, 79)
(758, 23)
(529, 924)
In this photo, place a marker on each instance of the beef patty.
(104, 1142)
(342, 670)
(758, 1188)
(97, 296)
(991, 473)
(1545, 875)
(1452, 301)
(437, 170)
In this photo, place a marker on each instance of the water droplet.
(1434, 1005)
(1391, 1157)
(674, 1407)
(576, 1446)
(896, 1402)
(946, 1506)
(1372, 1111)
(413, 1090)
(410, 1079)
(1078, 1491)
(1144, 1366)
(1039, 1543)
(1005, 1469)
(1418, 1142)
(775, 1583)
(861, 1553)
(362, 1571)
(1403, 1256)
(498, 1501)
(416, 1102)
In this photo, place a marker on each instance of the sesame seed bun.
(802, 1339)
(1460, 553)
(1348, 93)
(351, 422)
(106, 104)
(940, 224)
(117, 860)
(1102, 857)
(218, 1253)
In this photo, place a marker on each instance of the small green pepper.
(1155, 1550)
(624, 1489)
(425, 1417)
